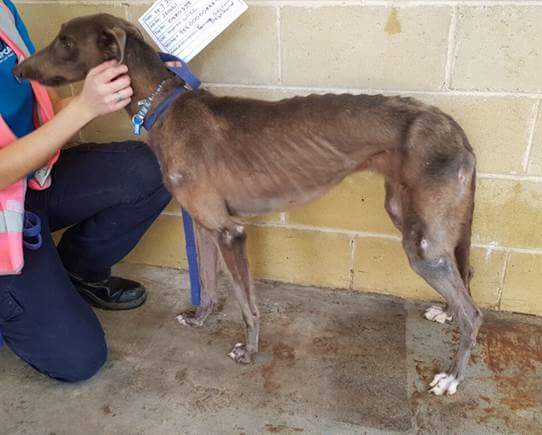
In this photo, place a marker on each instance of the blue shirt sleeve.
(23, 31)
(16, 98)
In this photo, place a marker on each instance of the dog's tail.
(462, 250)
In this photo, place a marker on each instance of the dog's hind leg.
(442, 314)
(438, 313)
(232, 244)
(435, 313)
(208, 271)
(430, 236)
(439, 268)
(462, 255)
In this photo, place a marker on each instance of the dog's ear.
(134, 31)
(113, 43)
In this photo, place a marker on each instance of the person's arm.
(98, 97)
(59, 102)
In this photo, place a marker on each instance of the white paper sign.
(185, 27)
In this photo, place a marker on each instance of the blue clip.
(32, 230)
(137, 123)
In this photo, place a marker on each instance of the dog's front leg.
(232, 243)
(208, 270)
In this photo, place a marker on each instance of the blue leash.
(143, 119)
(184, 72)
(32, 231)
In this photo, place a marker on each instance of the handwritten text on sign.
(185, 27)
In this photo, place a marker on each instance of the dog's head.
(82, 44)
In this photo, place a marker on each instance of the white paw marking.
(437, 314)
(180, 318)
(444, 383)
(233, 353)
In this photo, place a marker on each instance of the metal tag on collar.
(144, 107)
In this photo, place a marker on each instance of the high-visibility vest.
(12, 214)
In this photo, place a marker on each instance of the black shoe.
(111, 294)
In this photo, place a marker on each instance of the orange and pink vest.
(12, 213)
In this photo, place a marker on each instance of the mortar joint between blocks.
(423, 92)
(451, 51)
(320, 3)
(503, 279)
(353, 246)
(279, 42)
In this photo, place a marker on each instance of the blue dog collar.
(144, 106)
(141, 118)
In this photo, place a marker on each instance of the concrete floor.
(332, 362)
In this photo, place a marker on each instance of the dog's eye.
(66, 42)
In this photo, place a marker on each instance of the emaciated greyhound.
(224, 158)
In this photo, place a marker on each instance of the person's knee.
(142, 178)
(73, 358)
(144, 171)
(83, 363)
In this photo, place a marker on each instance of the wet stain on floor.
(502, 392)
(282, 428)
(512, 352)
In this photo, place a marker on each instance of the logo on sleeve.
(6, 53)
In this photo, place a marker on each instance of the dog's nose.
(18, 74)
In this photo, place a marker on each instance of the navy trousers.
(108, 195)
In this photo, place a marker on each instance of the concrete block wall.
(480, 61)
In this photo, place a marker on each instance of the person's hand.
(106, 89)
(174, 64)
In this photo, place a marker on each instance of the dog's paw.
(437, 314)
(240, 354)
(189, 320)
(443, 383)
